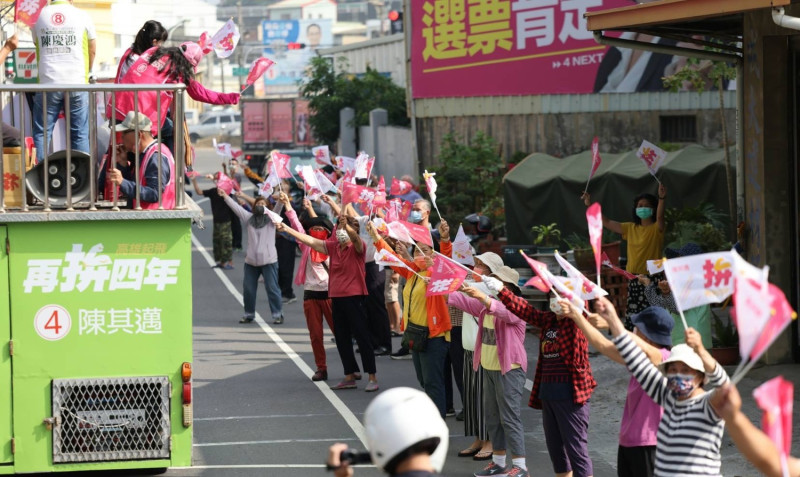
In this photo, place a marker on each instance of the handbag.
(415, 337)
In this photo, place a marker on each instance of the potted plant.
(611, 245)
(582, 250)
(725, 338)
(546, 237)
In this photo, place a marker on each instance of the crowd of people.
(676, 401)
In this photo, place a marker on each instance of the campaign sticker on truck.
(52, 322)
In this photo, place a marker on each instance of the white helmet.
(399, 418)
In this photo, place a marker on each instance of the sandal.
(483, 455)
(344, 385)
(469, 452)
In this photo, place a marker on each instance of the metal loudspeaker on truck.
(273, 123)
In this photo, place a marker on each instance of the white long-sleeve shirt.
(690, 433)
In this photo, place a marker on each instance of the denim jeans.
(79, 120)
(270, 274)
(429, 365)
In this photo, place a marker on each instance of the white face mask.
(555, 307)
(342, 237)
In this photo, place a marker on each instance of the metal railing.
(17, 93)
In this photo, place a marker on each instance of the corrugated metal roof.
(571, 103)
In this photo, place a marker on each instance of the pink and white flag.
(398, 232)
(205, 43)
(226, 183)
(607, 262)
(266, 188)
(363, 165)
(700, 279)
(380, 194)
(322, 154)
(325, 184)
(312, 188)
(225, 40)
(751, 300)
(596, 160)
(27, 11)
(222, 149)
(585, 287)
(652, 156)
(781, 315)
(430, 184)
(445, 277)
(280, 165)
(419, 233)
(594, 218)
(345, 164)
(655, 266)
(275, 218)
(541, 270)
(775, 398)
(386, 258)
(257, 70)
(400, 187)
(462, 250)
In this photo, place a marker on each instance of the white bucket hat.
(685, 354)
(491, 260)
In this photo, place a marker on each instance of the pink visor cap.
(192, 52)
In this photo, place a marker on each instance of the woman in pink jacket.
(313, 275)
(500, 350)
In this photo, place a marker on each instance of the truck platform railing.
(15, 96)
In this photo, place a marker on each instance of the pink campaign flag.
(226, 183)
(594, 218)
(380, 195)
(225, 40)
(541, 270)
(236, 152)
(325, 184)
(596, 160)
(266, 188)
(280, 165)
(538, 283)
(776, 399)
(462, 250)
(652, 156)
(607, 262)
(781, 314)
(398, 232)
(445, 277)
(386, 258)
(205, 43)
(222, 149)
(751, 300)
(356, 194)
(399, 187)
(582, 285)
(27, 11)
(430, 184)
(363, 165)
(419, 233)
(700, 279)
(312, 188)
(259, 67)
(322, 154)
(345, 164)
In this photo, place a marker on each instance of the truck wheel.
(194, 137)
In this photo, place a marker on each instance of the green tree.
(329, 91)
(470, 179)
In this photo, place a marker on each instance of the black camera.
(353, 457)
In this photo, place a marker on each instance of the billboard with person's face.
(290, 64)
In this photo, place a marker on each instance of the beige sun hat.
(491, 260)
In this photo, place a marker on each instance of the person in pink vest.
(165, 65)
(150, 154)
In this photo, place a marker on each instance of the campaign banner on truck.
(515, 47)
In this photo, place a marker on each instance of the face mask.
(342, 237)
(420, 262)
(258, 210)
(318, 234)
(644, 212)
(680, 385)
(415, 217)
(555, 306)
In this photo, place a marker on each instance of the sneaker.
(247, 319)
(517, 471)
(372, 386)
(460, 415)
(320, 375)
(402, 353)
(357, 376)
(450, 412)
(382, 351)
(278, 320)
(344, 384)
(492, 469)
(286, 301)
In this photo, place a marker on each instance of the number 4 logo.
(52, 322)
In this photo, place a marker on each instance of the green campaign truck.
(95, 327)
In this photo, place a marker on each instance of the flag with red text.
(445, 277)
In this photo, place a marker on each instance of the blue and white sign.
(291, 64)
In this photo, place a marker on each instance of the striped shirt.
(690, 433)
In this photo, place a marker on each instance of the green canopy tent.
(544, 189)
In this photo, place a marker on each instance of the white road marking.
(271, 416)
(326, 391)
(273, 441)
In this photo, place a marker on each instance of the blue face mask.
(680, 385)
(415, 217)
(644, 212)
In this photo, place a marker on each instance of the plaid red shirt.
(571, 342)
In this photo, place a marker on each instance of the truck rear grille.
(106, 419)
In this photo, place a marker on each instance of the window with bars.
(681, 128)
